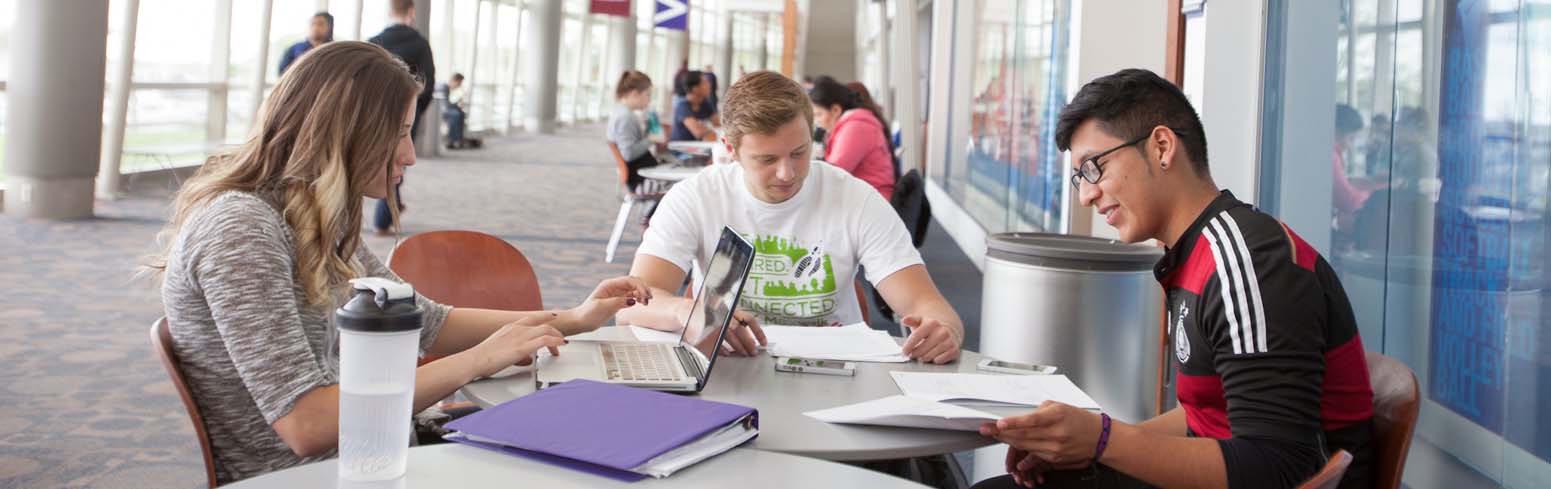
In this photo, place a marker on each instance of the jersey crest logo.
(1181, 340)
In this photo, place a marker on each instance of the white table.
(783, 397)
(671, 173)
(702, 148)
(454, 465)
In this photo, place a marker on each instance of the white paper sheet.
(1019, 390)
(852, 343)
(906, 412)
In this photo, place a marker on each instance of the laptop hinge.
(690, 361)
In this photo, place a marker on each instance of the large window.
(1441, 173)
(1007, 174)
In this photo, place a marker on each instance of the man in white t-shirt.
(811, 224)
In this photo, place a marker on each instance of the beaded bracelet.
(1103, 438)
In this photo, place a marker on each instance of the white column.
(511, 78)
(907, 96)
(323, 5)
(470, 79)
(355, 27)
(885, 86)
(724, 75)
(764, 45)
(261, 68)
(220, 61)
(58, 53)
(449, 41)
(1235, 33)
(581, 69)
(602, 81)
(544, 44)
(110, 179)
(622, 55)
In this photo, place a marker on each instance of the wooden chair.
(1396, 400)
(468, 269)
(161, 343)
(1330, 476)
(630, 198)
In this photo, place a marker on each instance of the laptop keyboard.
(639, 362)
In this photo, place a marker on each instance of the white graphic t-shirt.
(807, 248)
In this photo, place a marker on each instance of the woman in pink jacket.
(857, 140)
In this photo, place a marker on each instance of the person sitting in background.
(858, 140)
(261, 246)
(320, 30)
(812, 224)
(1272, 374)
(633, 92)
(694, 118)
(455, 114)
(1346, 197)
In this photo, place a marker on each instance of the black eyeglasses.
(1091, 170)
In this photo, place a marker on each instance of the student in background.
(455, 114)
(1272, 375)
(694, 118)
(633, 92)
(262, 244)
(320, 30)
(857, 140)
(411, 47)
(812, 224)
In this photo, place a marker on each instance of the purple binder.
(601, 428)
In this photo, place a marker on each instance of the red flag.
(611, 7)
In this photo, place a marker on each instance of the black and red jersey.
(1268, 356)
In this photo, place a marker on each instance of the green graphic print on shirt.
(790, 283)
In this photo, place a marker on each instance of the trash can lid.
(1071, 251)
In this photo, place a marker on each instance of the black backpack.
(910, 203)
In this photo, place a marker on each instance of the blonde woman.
(261, 246)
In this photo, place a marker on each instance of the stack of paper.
(852, 342)
(1016, 390)
(908, 412)
(926, 396)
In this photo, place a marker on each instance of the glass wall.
(1441, 174)
(1008, 176)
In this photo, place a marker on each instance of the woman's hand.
(513, 344)
(610, 296)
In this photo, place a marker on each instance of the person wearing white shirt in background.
(811, 224)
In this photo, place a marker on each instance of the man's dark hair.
(688, 81)
(457, 77)
(1348, 120)
(1129, 104)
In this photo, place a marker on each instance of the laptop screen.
(719, 292)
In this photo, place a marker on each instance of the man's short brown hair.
(760, 103)
(401, 7)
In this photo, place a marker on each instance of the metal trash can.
(1089, 306)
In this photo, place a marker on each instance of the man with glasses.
(1271, 376)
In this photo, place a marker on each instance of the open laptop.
(664, 366)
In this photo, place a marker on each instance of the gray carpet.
(85, 404)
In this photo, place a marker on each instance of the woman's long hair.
(330, 126)
(827, 93)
